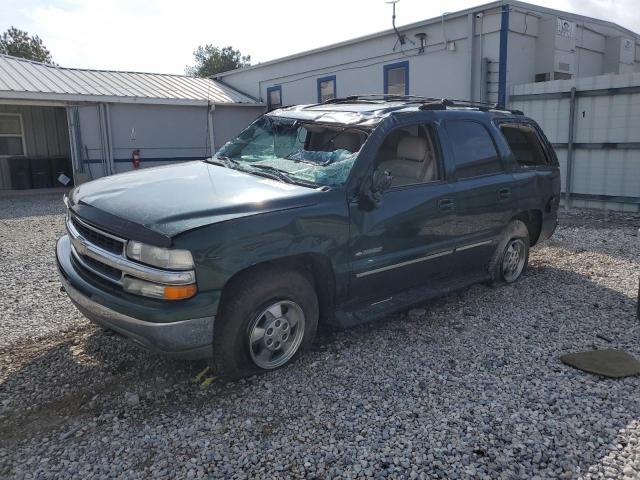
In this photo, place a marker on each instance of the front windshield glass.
(303, 151)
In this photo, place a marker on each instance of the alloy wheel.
(276, 334)
(513, 260)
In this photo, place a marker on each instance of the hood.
(172, 199)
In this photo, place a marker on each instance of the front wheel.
(511, 257)
(268, 316)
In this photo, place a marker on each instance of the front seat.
(347, 141)
(413, 162)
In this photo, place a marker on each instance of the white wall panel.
(613, 118)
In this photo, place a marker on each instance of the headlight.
(159, 257)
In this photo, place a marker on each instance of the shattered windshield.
(295, 150)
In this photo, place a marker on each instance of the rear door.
(536, 173)
(482, 192)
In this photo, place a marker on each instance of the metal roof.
(22, 79)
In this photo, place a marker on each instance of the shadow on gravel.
(94, 376)
(82, 377)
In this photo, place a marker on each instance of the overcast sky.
(161, 35)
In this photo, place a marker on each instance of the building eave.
(71, 98)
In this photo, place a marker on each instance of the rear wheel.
(513, 260)
(511, 257)
(268, 316)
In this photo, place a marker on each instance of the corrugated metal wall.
(45, 129)
(163, 134)
(45, 134)
(605, 163)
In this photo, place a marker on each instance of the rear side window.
(474, 152)
(525, 145)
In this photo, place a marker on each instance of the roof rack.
(426, 103)
(443, 103)
(379, 97)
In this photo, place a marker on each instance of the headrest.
(347, 141)
(412, 148)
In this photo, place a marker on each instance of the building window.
(274, 97)
(396, 78)
(326, 88)
(11, 135)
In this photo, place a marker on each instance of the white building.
(88, 123)
(507, 52)
(474, 54)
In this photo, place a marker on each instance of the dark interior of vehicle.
(524, 144)
(327, 140)
(409, 155)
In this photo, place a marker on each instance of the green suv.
(340, 212)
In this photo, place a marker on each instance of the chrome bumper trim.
(192, 338)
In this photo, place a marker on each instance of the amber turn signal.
(179, 292)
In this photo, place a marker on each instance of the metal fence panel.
(604, 153)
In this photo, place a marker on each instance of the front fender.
(222, 250)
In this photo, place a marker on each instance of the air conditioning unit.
(555, 49)
(619, 54)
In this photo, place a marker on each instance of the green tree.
(211, 60)
(19, 43)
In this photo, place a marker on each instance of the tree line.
(208, 59)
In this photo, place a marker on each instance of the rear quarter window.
(474, 151)
(525, 144)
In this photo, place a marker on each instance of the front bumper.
(189, 338)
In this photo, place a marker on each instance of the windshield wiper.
(280, 174)
(224, 161)
(284, 176)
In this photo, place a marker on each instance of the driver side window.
(409, 155)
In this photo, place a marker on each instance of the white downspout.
(111, 163)
(211, 129)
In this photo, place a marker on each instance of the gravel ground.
(32, 306)
(469, 386)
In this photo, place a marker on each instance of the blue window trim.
(502, 69)
(273, 89)
(327, 79)
(393, 66)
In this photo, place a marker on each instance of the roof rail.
(379, 97)
(443, 103)
(427, 103)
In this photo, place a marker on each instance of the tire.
(511, 258)
(280, 303)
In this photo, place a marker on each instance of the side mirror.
(381, 181)
(371, 195)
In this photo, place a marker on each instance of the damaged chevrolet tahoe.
(340, 212)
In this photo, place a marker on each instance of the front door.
(407, 240)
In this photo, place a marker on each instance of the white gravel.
(31, 306)
(469, 386)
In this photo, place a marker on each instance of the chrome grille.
(106, 271)
(97, 237)
(103, 255)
